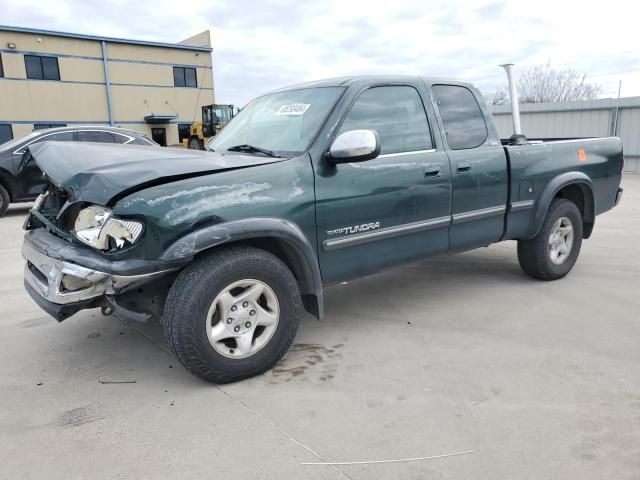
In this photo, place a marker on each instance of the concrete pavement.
(540, 380)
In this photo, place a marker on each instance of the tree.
(545, 84)
(498, 96)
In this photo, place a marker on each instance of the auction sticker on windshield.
(293, 109)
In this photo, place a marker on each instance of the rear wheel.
(5, 200)
(553, 252)
(232, 314)
(196, 144)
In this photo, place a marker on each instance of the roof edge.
(147, 43)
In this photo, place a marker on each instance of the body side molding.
(384, 233)
(478, 214)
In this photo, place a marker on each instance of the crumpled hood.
(100, 172)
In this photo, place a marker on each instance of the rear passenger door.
(390, 210)
(479, 169)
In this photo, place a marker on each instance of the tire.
(195, 308)
(5, 200)
(195, 144)
(546, 256)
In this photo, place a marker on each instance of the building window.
(6, 133)
(42, 68)
(1, 69)
(184, 77)
(43, 126)
(184, 131)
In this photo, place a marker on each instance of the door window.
(461, 116)
(54, 137)
(396, 113)
(96, 136)
(57, 137)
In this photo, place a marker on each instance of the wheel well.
(279, 248)
(582, 197)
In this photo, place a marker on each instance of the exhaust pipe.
(517, 138)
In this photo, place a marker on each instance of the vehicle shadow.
(478, 276)
(419, 287)
(19, 210)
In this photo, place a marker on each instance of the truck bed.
(535, 169)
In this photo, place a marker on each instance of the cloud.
(259, 46)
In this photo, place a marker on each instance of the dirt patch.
(307, 362)
(78, 416)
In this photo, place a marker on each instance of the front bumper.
(64, 278)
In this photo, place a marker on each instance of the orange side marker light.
(582, 155)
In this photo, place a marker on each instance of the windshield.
(223, 114)
(284, 122)
(11, 144)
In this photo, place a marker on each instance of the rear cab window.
(462, 118)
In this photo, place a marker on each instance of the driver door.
(390, 210)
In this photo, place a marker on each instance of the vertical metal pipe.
(617, 112)
(107, 82)
(513, 95)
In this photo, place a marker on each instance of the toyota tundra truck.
(308, 186)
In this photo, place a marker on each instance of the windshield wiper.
(252, 149)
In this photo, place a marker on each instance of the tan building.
(55, 79)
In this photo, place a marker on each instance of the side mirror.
(354, 146)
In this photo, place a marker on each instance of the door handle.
(463, 167)
(432, 170)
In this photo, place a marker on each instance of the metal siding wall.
(579, 119)
(587, 123)
(629, 130)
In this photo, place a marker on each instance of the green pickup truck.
(308, 186)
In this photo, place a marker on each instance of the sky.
(260, 46)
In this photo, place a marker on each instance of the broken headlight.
(96, 226)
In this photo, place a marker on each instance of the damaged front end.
(64, 276)
(82, 251)
(63, 279)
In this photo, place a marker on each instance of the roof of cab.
(371, 79)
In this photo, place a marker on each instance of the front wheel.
(5, 200)
(196, 144)
(552, 253)
(232, 314)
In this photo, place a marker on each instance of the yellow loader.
(214, 118)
